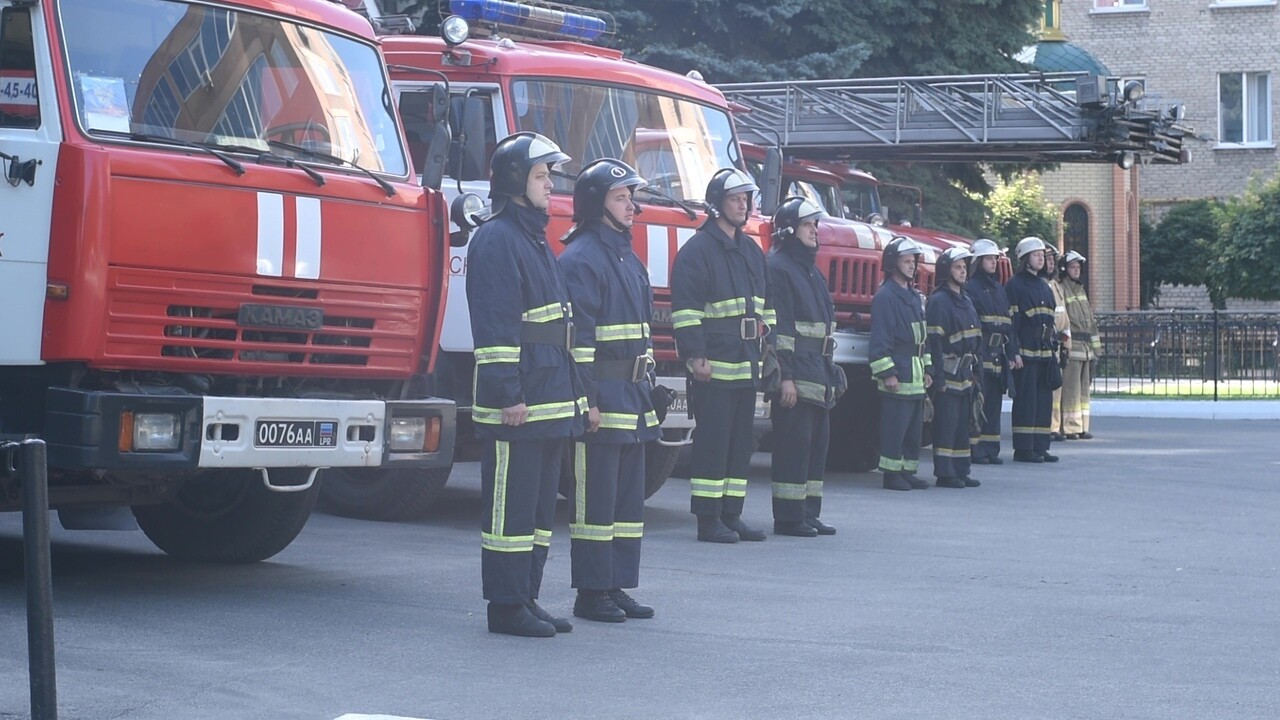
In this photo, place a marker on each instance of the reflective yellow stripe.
(1038, 353)
(686, 318)
(726, 308)
(881, 364)
(544, 411)
(624, 331)
(910, 465)
(812, 329)
(959, 385)
(704, 487)
(599, 533)
(788, 491)
(554, 311)
(542, 537)
(917, 331)
(889, 464)
(721, 370)
(962, 334)
(1039, 311)
(984, 438)
(497, 354)
(785, 342)
(506, 543)
(1026, 430)
(769, 316)
(996, 319)
(950, 452)
(584, 354)
(735, 487)
(934, 329)
(813, 489)
(502, 456)
(580, 483)
(811, 391)
(628, 530)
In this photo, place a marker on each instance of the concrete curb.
(1184, 409)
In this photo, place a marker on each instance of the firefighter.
(900, 364)
(992, 304)
(1033, 349)
(955, 341)
(811, 382)
(1061, 324)
(1085, 348)
(719, 315)
(529, 398)
(612, 305)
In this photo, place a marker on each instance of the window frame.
(1119, 7)
(1246, 112)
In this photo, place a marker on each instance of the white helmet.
(1070, 257)
(1028, 245)
(984, 248)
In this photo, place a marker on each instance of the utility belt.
(558, 333)
(635, 370)
(824, 346)
(742, 326)
(1081, 336)
(959, 365)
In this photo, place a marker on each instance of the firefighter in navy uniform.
(900, 364)
(955, 341)
(992, 304)
(719, 315)
(1032, 348)
(811, 381)
(612, 305)
(529, 399)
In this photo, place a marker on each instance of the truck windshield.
(213, 75)
(861, 199)
(675, 144)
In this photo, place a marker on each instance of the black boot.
(995, 461)
(562, 625)
(710, 529)
(950, 482)
(745, 532)
(629, 605)
(895, 481)
(1027, 456)
(1046, 457)
(598, 606)
(915, 482)
(821, 527)
(970, 482)
(517, 620)
(795, 528)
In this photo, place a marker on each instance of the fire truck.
(536, 71)
(220, 274)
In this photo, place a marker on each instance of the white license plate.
(296, 433)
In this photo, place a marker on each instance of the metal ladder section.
(1010, 118)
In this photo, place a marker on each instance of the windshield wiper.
(266, 157)
(334, 159)
(670, 201)
(166, 140)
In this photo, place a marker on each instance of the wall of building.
(1196, 297)
(1110, 195)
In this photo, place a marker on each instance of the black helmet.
(594, 183)
(942, 266)
(512, 160)
(724, 183)
(793, 211)
(897, 247)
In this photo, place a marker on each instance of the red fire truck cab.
(219, 272)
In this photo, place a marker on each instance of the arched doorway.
(1075, 235)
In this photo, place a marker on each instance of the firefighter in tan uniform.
(1085, 348)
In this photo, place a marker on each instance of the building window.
(1244, 108)
(1075, 235)
(1119, 5)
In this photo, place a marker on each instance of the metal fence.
(1217, 355)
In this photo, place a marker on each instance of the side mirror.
(467, 212)
(470, 143)
(437, 155)
(771, 182)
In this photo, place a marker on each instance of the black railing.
(1207, 355)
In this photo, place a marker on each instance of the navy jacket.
(716, 277)
(806, 318)
(992, 304)
(1032, 303)
(612, 304)
(513, 278)
(955, 337)
(897, 339)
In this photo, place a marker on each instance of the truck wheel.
(227, 516)
(855, 425)
(377, 494)
(658, 462)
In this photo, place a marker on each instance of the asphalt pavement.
(1137, 578)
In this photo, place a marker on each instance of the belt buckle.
(828, 346)
(570, 335)
(640, 368)
(749, 328)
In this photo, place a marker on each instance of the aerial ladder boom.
(1033, 117)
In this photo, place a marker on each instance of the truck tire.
(227, 516)
(377, 494)
(855, 425)
(658, 461)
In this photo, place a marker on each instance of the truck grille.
(853, 281)
(189, 320)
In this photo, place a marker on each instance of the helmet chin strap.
(613, 222)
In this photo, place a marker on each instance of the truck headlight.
(150, 432)
(408, 434)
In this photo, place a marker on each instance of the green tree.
(1246, 263)
(1180, 249)
(1017, 209)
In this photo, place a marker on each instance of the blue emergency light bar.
(545, 19)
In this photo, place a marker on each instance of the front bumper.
(83, 431)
